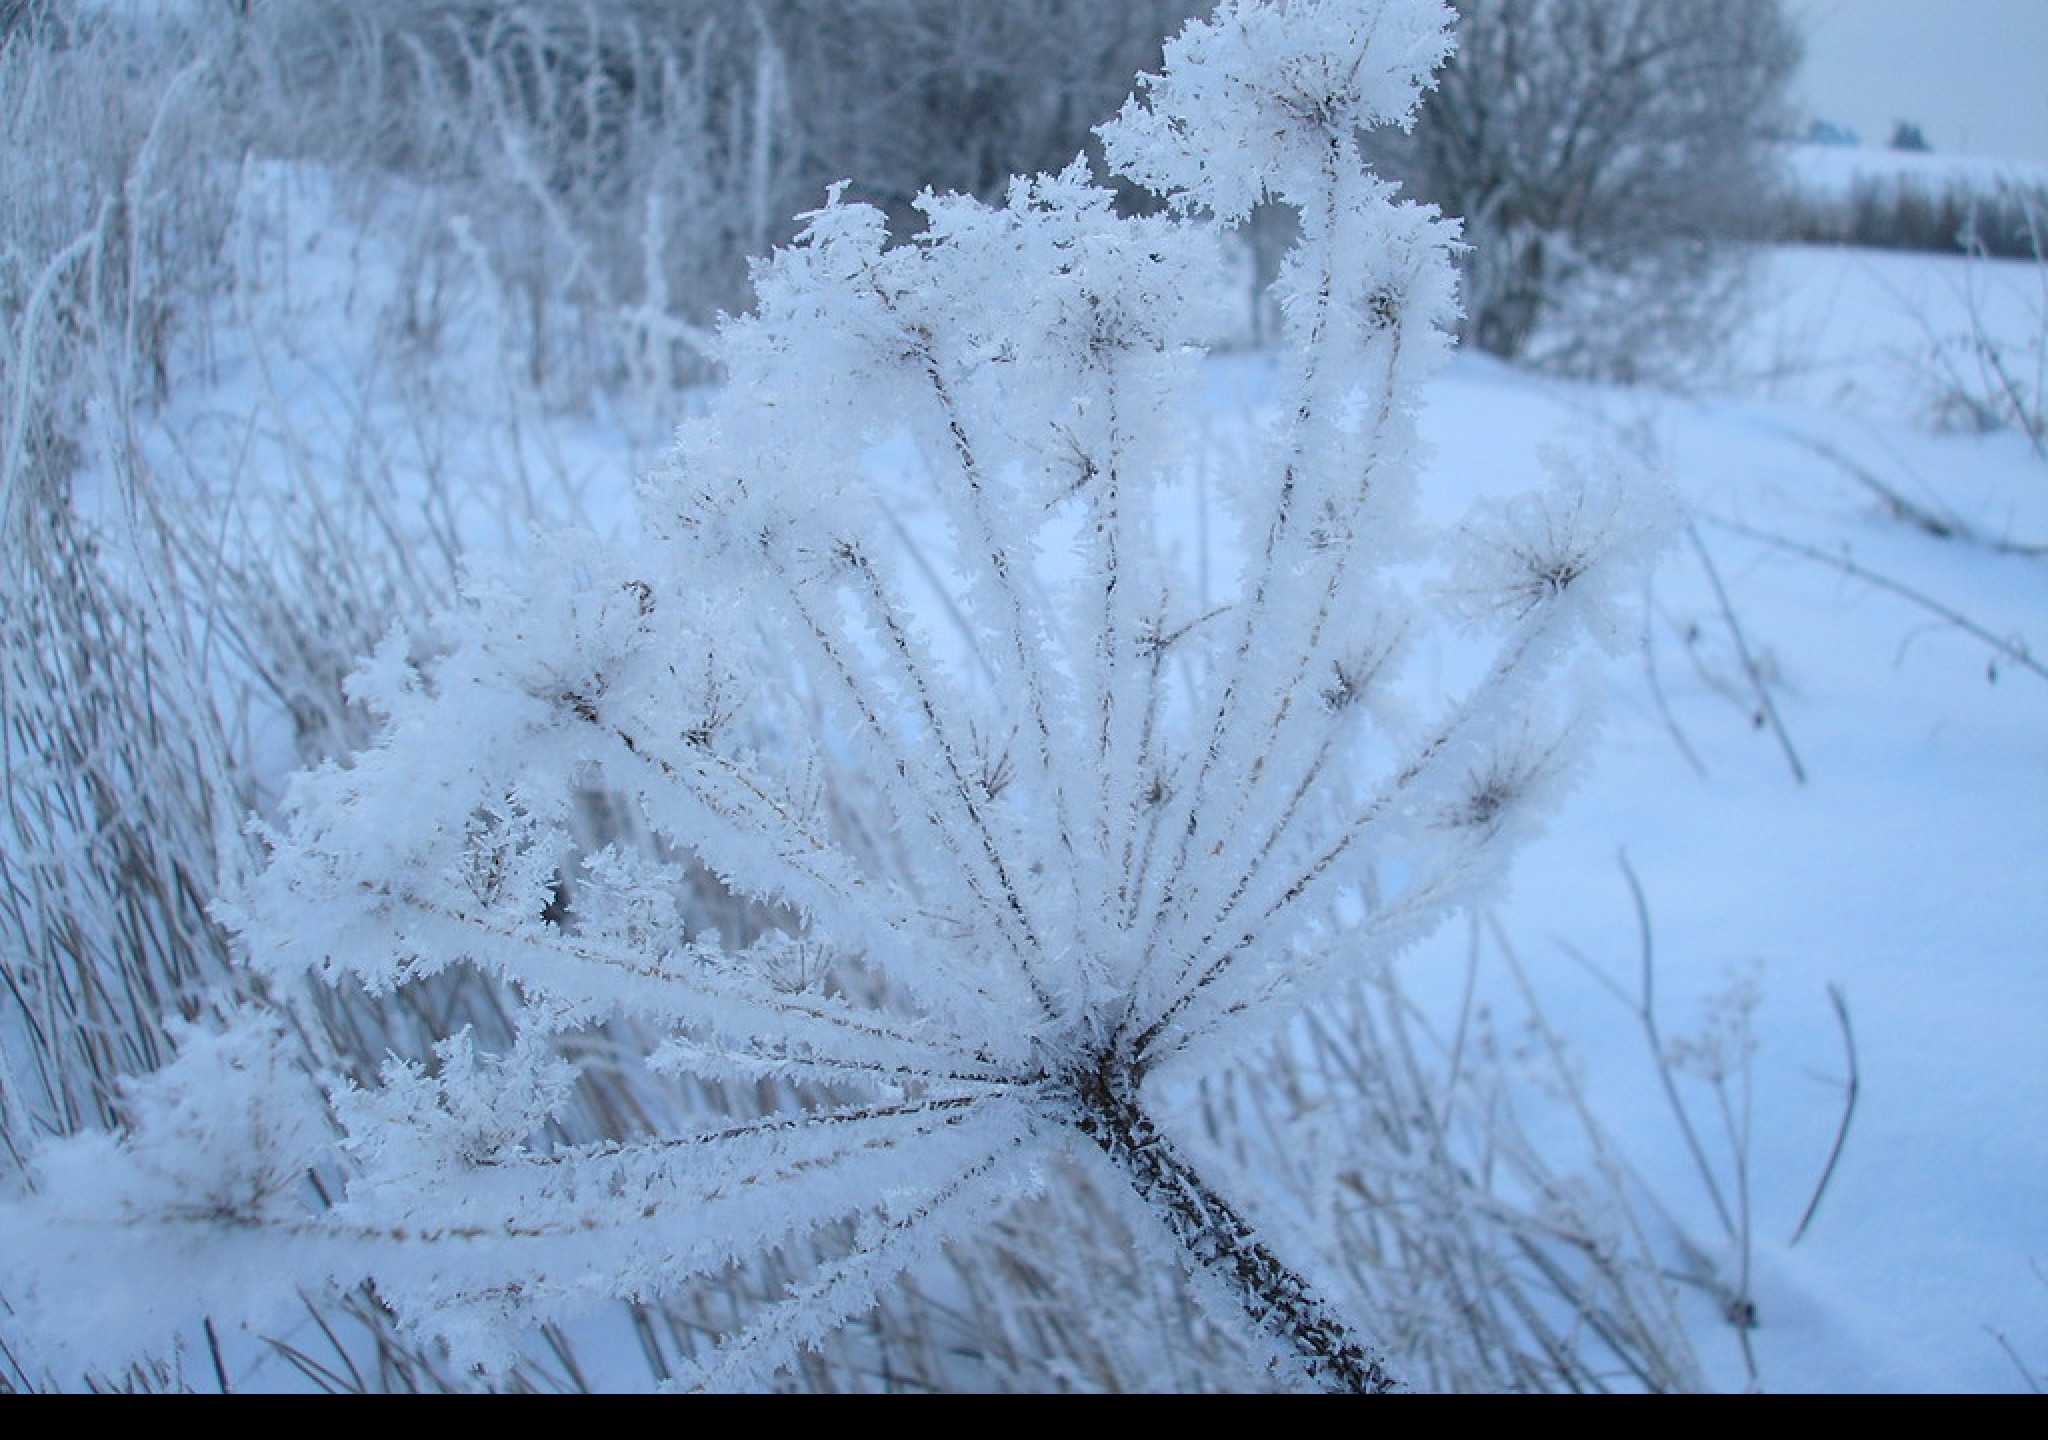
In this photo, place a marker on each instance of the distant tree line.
(2000, 217)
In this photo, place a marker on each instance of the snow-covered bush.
(1030, 804)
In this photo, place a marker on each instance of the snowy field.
(1908, 871)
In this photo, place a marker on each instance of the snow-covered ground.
(1892, 336)
(1909, 869)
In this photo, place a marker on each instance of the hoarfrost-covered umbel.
(1023, 800)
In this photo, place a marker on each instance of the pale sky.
(1973, 74)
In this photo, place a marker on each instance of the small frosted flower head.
(551, 623)
(1079, 278)
(1514, 775)
(1258, 101)
(1725, 1039)
(1580, 543)
(226, 1133)
(468, 1109)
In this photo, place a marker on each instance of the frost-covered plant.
(1033, 806)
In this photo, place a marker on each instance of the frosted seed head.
(1261, 100)
(1581, 542)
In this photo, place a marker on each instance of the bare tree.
(1602, 154)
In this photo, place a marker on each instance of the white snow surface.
(1907, 870)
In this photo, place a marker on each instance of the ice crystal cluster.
(1025, 798)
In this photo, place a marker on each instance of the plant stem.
(1216, 1237)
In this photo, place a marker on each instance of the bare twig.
(1941, 524)
(1646, 1015)
(2014, 651)
(1767, 708)
(1661, 700)
(2027, 1377)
